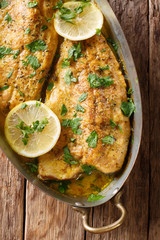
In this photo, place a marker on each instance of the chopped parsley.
(58, 5)
(92, 197)
(32, 75)
(68, 78)
(97, 82)
(4, 88)
(98, 31)
(104, 68)
(68, 157)
(43, 28)
(108, 139)
(120, 128)
(38, 104)
(103, 50)
(49, 19)
(80, 8)
(92, 139)
(39, 126)
(83, 97)
(33, 166)
(20, 93)
(87, 169)
(79, 108)
(63, 110)
(112, 123)
(50, 86)
(10, 73)
(130, 91)
(113, 44)
(8, 18)
(67, 14)
(33, 61)
(73, 123)
(128, 108)
(27, 31)
(73, 140)
(41, 80)
(63, 186)
(16, 53)
(5, 51)
(75, 51)
(3, 4)
(24, 105)
(36, 45)
(75, 114)
(32, 4)
(65, 63)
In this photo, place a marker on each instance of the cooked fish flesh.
(102, 135)
(27, 46)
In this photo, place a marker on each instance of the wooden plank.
(154, 131)
(133, 19)
(48, 218)
(11, 201)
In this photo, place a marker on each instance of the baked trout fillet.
(88, 90)
(28, 42)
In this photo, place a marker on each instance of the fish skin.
(101, 105)
(13, 36)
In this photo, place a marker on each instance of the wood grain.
(154, 130)
(11, 201)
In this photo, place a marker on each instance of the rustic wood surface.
(27, 213)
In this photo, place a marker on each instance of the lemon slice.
(32, 129)
(81, 25)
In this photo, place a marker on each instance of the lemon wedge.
(32, 129)
(78, 20)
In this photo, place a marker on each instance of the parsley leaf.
(108, 139)
(87, 169)
(10, 73)
(27, 31)
(128, 108)
(104, 68)
(63, 186)
(103, 50)
(20, 93)
(16, 53)
(33, 61)
(97, 82)
(4, 88)
(36, 45)
(8, 18)
(38, 104)
(92, 197)
(83, 97)
(32, 4)
(63, 110)
(73, 140)
(65, 63)
(50, 86)
(24, 105)
(130, 91)
(25, 130)
(79, 108)
(75, 52)
(33, 166)
(113, 43)
(92, 139)
(58, 5)
(41, 80)
(39, 126)
(33, 74)
(68, 157)
(43, 28)
(73, 123)
(3, 4)
(5, 51)
(67, 14)
(112, 123)
(98, 31)
(68, 78)
(79, 9)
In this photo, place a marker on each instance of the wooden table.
(27, 213)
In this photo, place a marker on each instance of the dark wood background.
(27, 213)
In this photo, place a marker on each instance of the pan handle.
(110, 227)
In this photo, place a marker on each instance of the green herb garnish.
(36, 45)
(5, 51)
(75, 114)
(113, 43)
(4, 88)
(25, 130)
(65, 63)
(73, 123)
(58, 5)
(104, 68)
(3, 4)
(33, 166)
(10, 73)
(73, 140)
(75, 51)
(97, 82)
(79, 108)
(41, 80)
(68, 157)
(43, 28)
(32, 4)
(87, 169)
(33, 74)
(27, 31)
(103, 50)
(112, 123)
(130, 91)
(63, 110)
(33, 61)
(16, 53)
(128, 107)
(83, 97)
(98, 32)
(8, 18)
(24, 105)
(108, 139)
(68, 78)
(39, 126)
(50, 86)
(38, 104)
(63, 186)
(20, 93)
(67, 14)
(92, 197)
(92, 139)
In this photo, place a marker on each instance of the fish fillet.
(101, 106)
(22, 77)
